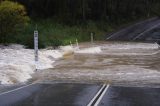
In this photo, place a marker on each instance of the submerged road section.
(69, 94)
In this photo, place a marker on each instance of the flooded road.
(130, 68)
(118, 63)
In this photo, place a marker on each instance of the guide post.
(77, 44)
(92, 37)
(36, 48)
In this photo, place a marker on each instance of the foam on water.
(130, 46)
(17, 64)
(67, 50)
(92, 50)
(122, 49)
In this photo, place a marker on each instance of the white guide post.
(77, 44)
(92, 38)
(71, 44)
(36, 48)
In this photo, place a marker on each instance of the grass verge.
(54, 34)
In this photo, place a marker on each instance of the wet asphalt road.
(146, 30)
(131, 96)
(65, 94)
(51, 95)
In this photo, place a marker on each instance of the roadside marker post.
(92, 37)
(71, 44)
(77, 44)
(36, 48)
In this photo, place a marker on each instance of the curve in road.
(137, 31)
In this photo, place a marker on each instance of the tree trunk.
(104, 16)
(84, 10)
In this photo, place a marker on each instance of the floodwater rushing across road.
(119, 63)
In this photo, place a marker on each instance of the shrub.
(12, 19)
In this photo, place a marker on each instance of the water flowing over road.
(120, 63)
(73, 76)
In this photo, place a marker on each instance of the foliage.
(62, 21)
(54, 34)
(79, 11)
(156, 9)
(12, 18)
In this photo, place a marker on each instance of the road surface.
(147, 30)
(69, 94)
(131, 96)
(50, 95)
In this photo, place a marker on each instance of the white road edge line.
(16, 89)
(100, 98)
(90, 103)
(139, 35)
(131, 26)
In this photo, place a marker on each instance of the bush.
(52, 33)
(12, 19)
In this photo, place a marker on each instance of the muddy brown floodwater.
(119, 63)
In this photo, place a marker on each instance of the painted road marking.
(139, 35)
(114, 34)
(91, 102)
(100, 98)
(16, 89)
(97, 98)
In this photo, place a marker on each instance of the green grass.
(54, 34)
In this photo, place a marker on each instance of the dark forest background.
(62, 21)
(73, 11)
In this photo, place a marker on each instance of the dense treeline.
(62, 21)
(72, 11)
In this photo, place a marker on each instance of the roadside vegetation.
(54, 34)
(12, 18)
(62, 21)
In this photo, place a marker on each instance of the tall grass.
(54, 34)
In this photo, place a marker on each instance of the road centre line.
(97, 98)
(100, 98)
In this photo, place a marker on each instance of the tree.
(81, 11)
(84, 10)
(12, 18)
